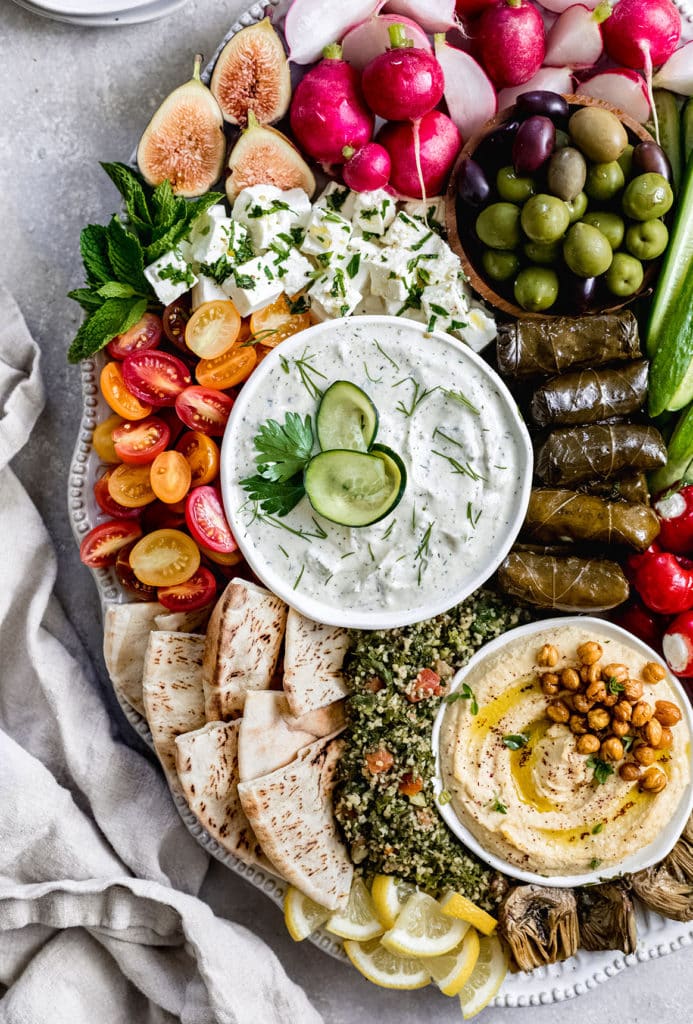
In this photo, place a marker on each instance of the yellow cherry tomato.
(228, 369)
(202, 454)
(275, 323)
(103, 441)
(165, 558)
(170, 477)
(213, 328)
(131, 486)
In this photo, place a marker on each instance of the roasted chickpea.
(644, 755)
(570, 679)
(550, 684)
(633, 690)
(610, 700)
(578, 724)
(598, 719)
(666, 740)
(596, 691)
(620, 729)
(652, 732)
(615, 671)
(548, 656)
(623, 711)
(558, 711)
(667, 713)
(653, 781)
(582, 703)
(587, 744)
(653, 673)
(590, 652)
(629, 771)
(612, 749)
(590, 673)
(642, 713)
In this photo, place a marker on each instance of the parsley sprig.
(283, 452)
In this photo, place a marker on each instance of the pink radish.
(677, 73)
(510, 41)
(547, 79)
(312, 24)
(558, 6)
(623, 88)
(365, 41)
(367, 169)
(469, 94)
(439, 143)
(403, 83)
(575, 39)
(431, 15)
(328, 111)
(470, 8)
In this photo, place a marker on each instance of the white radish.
(623, 88)
(677, 73)
(559, 6)
(575, 40)
(312, 24)
(549, 79)
(469, 93)
(431, 15)
(365, 41)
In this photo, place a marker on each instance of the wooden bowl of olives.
(558, 206)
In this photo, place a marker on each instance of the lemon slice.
(422, 929)
(389, 895)
(487, 976)
(302, 915)
(359, 920)
(452, 971)
(457, 905)
(384, 968)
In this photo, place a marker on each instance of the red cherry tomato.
(204, 514)
(175, 319)
(204, 409)
(145, 334)
(108, 504)
(101, 545)
(159, 516)
(156, 378)
(127, 578)
(198, 591)
(139, 443)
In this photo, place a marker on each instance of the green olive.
(577, 207)
(536, 288)
(647, 197)
(647, 240)
(566, 173)
(498, 226)
(543, 252)
(624, 276)
(604, 181)
(512, 187)
(610, 225)
(626, 161)
(544, 218)
(598, 134)
(586, 251)
(500, 264)
(562, 139)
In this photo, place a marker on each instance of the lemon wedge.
(384, 968)
(457, 905)
(452, 971)
(358, 921)
(422, 929)
(389, 895)
(302, 915)
(486, 978)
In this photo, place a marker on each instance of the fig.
(252, 72)
(184, 141)
(263, 156)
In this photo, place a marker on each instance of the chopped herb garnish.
(420, 393)
(284, 551)
(301, 304)
(515, 741)
(348, 554)
(627, 742)
(614, 686)
(338, 289)
(423, 551)
(472, 516)
(602, 769)
(463, 470)
(275, 206)
(594, 863)
(177, 276)
(283, 451)
(597, 828)
(370, 552)
(299, 577)
(243, 280)
(389, 529)
(308, 373)
(457, 396)
(373, 380)
(444, 797)
(384, 353)
(465, 692)
(336, 200)
(353, 265)
(420, 244)
(498, 806)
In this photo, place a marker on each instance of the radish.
(557, 80)
(403, 83)
(677, 73)
(470, 8)
(469, 94)
(575, 40)
(622, 88)
(311, 25)
(439, 142)
(510, 41)
(327, 109)
(431, 15)
(559, 6)
(365, 41)
(367, 169)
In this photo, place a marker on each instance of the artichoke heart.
(540, 925)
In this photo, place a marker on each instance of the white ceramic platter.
(658, 936)
(110, 13)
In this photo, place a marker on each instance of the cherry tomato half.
(204, 514)
(198, 591)
(159, 516)
(175, 317)
(130, 486)
(156, 377)
(127, 578)
(204, 409)
(222, 558)
(139, 443)
(102, 439)
(228, 369)
(213, 328)
(101, 545)
(275, 323)
(165, 558)
(146, 333)
(170, 477)
(107, 504)
(119, 396)
(202, 454)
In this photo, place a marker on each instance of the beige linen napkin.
(99, 915)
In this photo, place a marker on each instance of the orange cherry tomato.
(127, 578)
(202, 454)
(170, 477)
(117, 395)
(222, 557)
(165, 558)
(261, 351)
(228, 369)
(275, 323)
(213, 328)
(131, 486)
(103, 441)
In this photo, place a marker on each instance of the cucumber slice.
(346, 419)
(671, 370)
(669, 131)
(355, 488)
(679, 455)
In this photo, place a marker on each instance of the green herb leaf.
(515, 741)
(465, 692)
(283, 451)
(116, 290)
(189, 212)
(498, 806)
(132, 188)
(114, 317)
(88, 299)
(165, 206)
(594, 863)
(597, 828)
(274, 497)
(93, 245)
(602, 769)
(614, 686)
(125, 254)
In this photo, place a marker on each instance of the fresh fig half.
(252, 72)
(263, 156)
(184, 141)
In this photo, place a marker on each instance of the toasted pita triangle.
(126, 629)
(183, 622)
(313, 658)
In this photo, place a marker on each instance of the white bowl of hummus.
(533, 796)
(465, 449)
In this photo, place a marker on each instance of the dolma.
(550, 345)
(566, 583)
(568, 516)
(587, 396)
(628, 488)
(573, 454)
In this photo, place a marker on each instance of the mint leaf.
(132, 188)
(602, 769)
(190, 211)
(114, 317)
(88, 299)
(116, 290)
(125, 254)
(515, 741)
(164, 205)
(93, 245)
(275, 497)
(284, 450)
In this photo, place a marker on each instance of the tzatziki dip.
(466, 453)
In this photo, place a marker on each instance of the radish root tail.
(650, 93)
(417, 158)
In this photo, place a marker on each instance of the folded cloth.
(99, 915)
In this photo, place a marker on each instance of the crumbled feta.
(206, 289)
(299, 201)
(407, 232)
(333, 294)
(373, 211)
(432, 211)
(170, 276)
(294, 271)
(444, 307)
(208, 240)
(390, 275)
(326, 232)
(480, 329)
(336, 198)
(253, 285)
(264, 211)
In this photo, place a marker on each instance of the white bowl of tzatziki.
(465, 449)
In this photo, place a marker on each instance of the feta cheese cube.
(355, 267)
(239, 247)
(210, 241)
(338, 199)
(265, 213)
(253, 285)
(480, 329)
(170, 276)
(299, 202)
(406, 232)
(206, 289)
(373, 211)
(294, 271)
(333, 294)
(326, 232)
(432, 212)
(390, 276)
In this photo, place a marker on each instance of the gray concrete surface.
(70, 97)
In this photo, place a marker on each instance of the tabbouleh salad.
(384, 795)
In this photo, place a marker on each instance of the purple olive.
(541, 101)
(494, 152)
(578, 293)
(649, 157)
(533, 144)
(472, 187)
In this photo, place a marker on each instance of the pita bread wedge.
(183, 622)
(207, 766)
(290, 811)
(172, 690)
(244, 637)
(270, 736)
(313, 658)
(126, 629)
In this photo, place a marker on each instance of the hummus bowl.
(515, 788)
